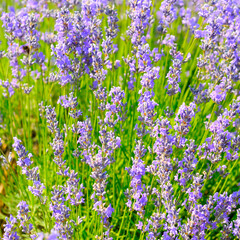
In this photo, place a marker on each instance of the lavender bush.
(120, 119)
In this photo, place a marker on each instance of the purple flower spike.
(24, 161)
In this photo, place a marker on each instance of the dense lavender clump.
(130, 111)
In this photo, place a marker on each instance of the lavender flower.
(10, 232)
(173, 75)
(70, 102)
(168, 12)
(71, 190)
(24, 161)
(183, 119)
(61, 213)
(137, 196)
(21, 221)
(24, 218)
(98, 163)
(74, 193)
(115, 109)
(218, 63)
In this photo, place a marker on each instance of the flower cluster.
(72, 189)
(168, 12)
(115, 109)
(22, 221)
(70, 102)
(219, 60)
(24, 161)
(24, 218)
(138, 134)
(22, 27)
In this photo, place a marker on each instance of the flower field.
(119, 119)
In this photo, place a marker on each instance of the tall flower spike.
(162, 167)
(71, 190)
(24, 161)
(116, 108)
(99, 162)
(183, 119)
(61, 213)
(137, 196)
(174, 73)
(24, 218)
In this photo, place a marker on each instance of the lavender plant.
(119, 119)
